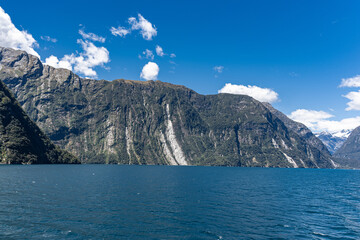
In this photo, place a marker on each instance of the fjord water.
(163, 202)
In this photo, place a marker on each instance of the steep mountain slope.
(21, 141)
(332, 142)
(136, 122)
(349, 152)
(300, 129)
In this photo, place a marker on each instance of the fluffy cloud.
(148, 54)
(147, 30)
(83, 63)
(48, 39)
(150, 71)
(91, 36)
(159, 51)
(354, 103)
(350, 82)
(318, 121)
(12, 37)
(54, 62)
(309, 117)
(260, 94)
(119, 31)
(173, 55)
(219, 69)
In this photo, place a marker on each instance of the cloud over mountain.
(12, 37)
(150, 71)
(260, 94)
(318, 121)
(84, 62)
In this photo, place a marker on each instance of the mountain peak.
(153, 122)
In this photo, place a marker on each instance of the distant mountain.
(349, 152)
(21, 141)
(137, 122)
(333, 141)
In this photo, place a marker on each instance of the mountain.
(332, 141)
(300, 129)
(147, 122)
(349, 153)
(21, 141)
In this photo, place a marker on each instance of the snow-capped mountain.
(333, 141)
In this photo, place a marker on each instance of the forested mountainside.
(21, 141)
(138, 122)
(349, 153)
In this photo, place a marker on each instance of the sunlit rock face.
(152, 122)
(21, 141)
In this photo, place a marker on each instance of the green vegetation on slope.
(349, 153)
(21, 141)
(136, 122)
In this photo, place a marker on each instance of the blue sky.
(299, 49)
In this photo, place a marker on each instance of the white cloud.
(219, 69)
(354, 103)
(159, 51)
(48, 39)
(148, 54)
(91, 36)
(54, 62)
(309, 117)
(84, 62)
(119, 31)
(350, 82)
(173, 55)
(150, 71)
(260, 94)
(12, 37)
(147, 30)
(318, 121)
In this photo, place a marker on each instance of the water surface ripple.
(163, 202)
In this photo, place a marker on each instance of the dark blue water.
(159, 202)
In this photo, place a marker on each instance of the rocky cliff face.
(136, 122)
(300, 129)
(21, 141)
(349, 153)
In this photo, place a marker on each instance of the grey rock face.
(21, 141)
(136, 122)
(349, 152)
(300, 129)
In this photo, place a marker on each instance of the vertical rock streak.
(171, 137)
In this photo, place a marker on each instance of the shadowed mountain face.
(21, 141)
(349, 152)
(136, 122)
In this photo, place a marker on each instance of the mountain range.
(333, 141)
(153, 122)
(348, 155)
(21, 141)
